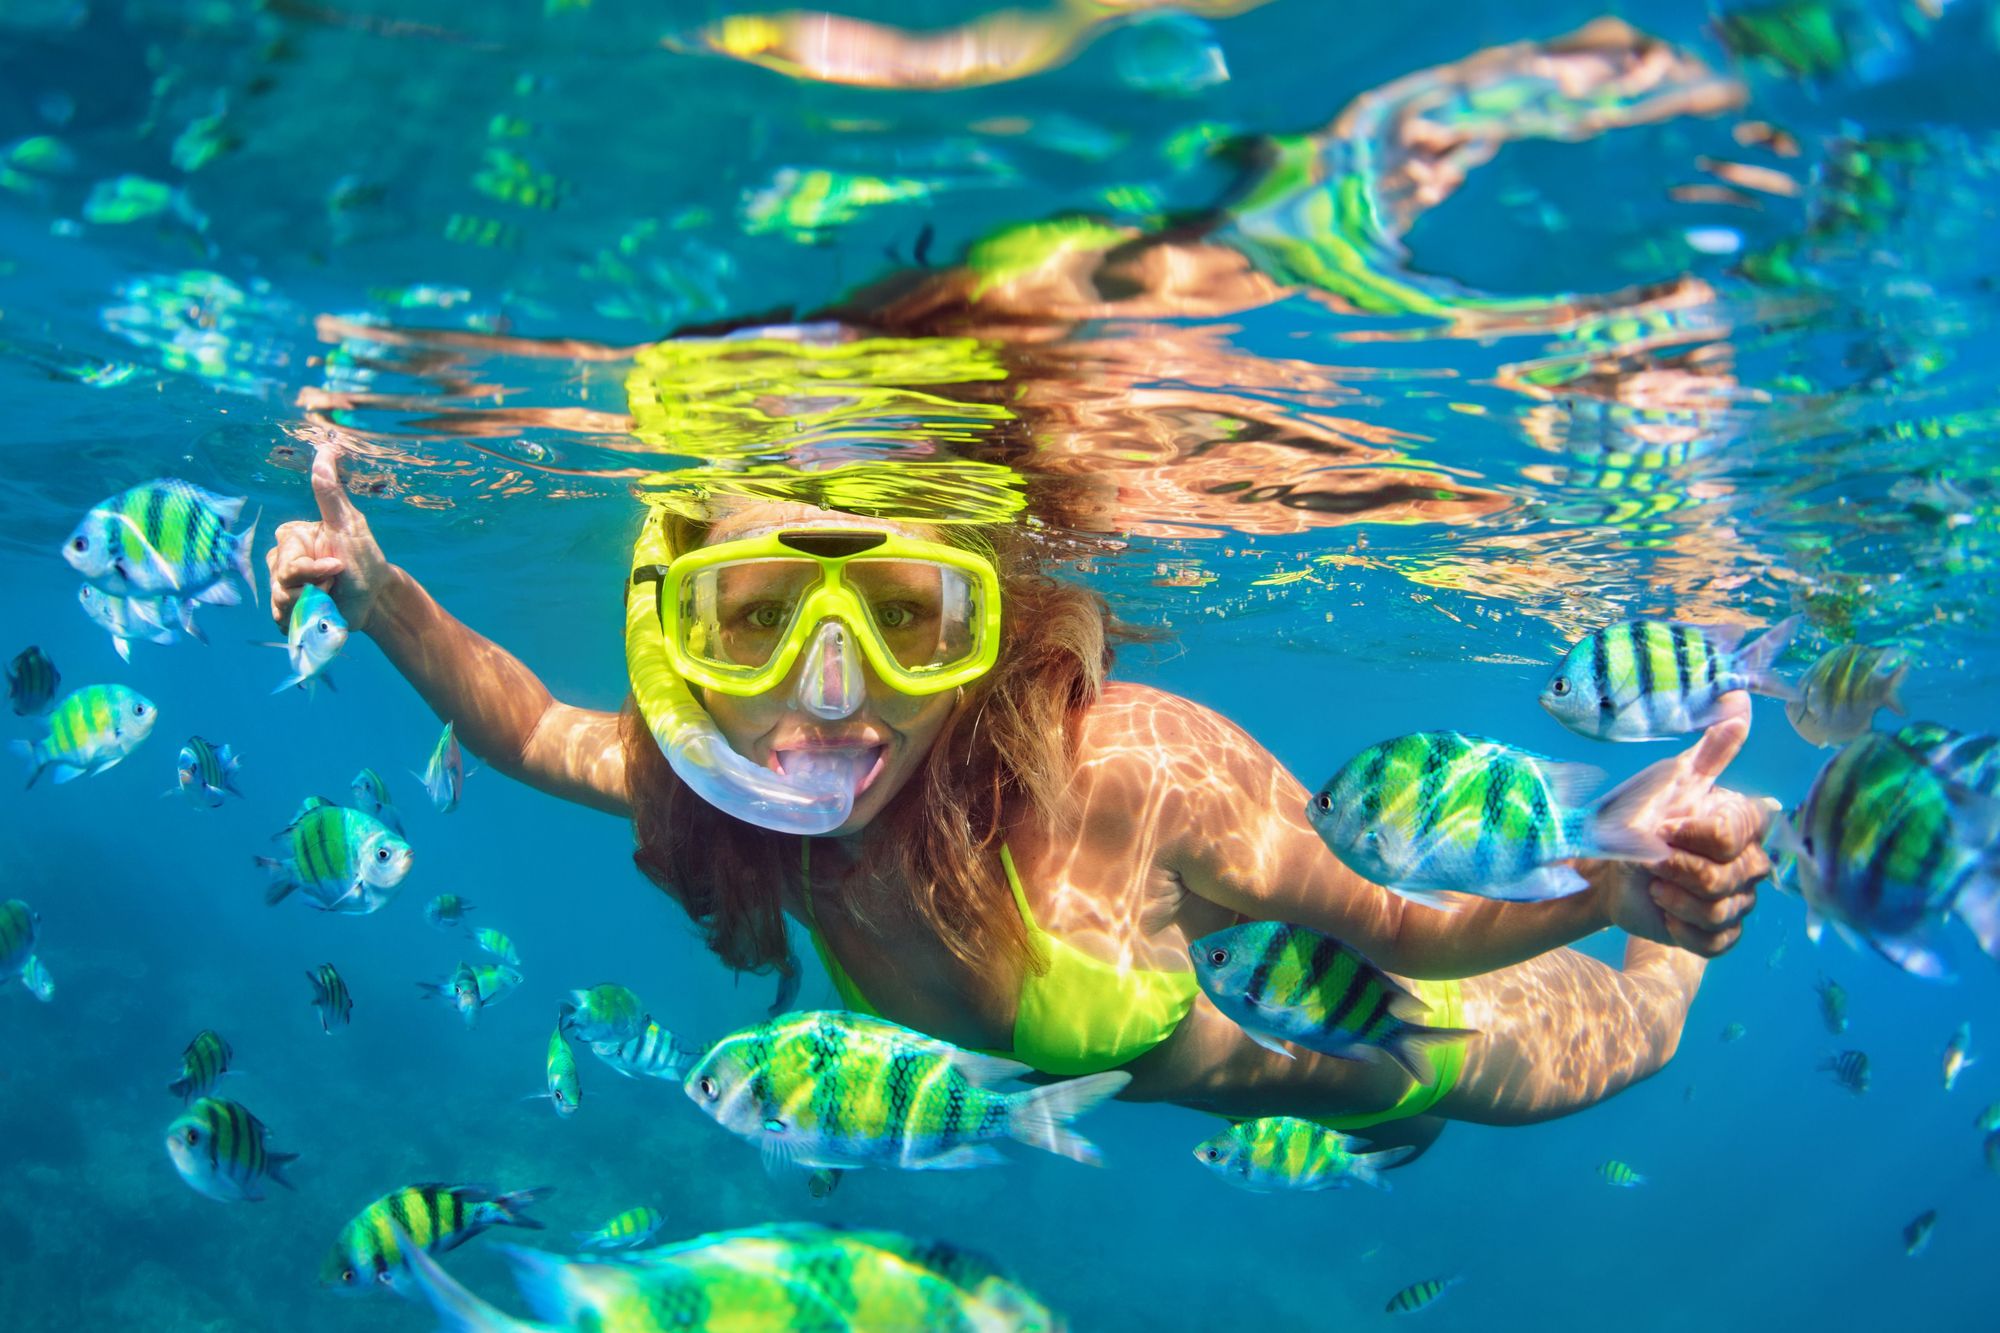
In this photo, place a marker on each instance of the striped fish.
(1419, 1295)
(627, 1231)
(603, 1013)
(833, 1089)
(784, 1276)
(1647, 680)
(203, 1064)
(471, 987)
(433, 1217)
(446, 910)
(207, 773)
(31, 682)
(1440, 812)
(220, 1150)
(1839, 694)
(20, 926)
(129, 618)
(1849, 1070)
(343, 861)
(655, 1053)
(565, 1088)
(1887, 849)
(1282, 1152)
(1957, 1057)
(1619, 1174)
(330, 997)
(444, 776)
(1969, 760)
(371, 797)
(166, 538)
(496, 944)
(1832, 1004)
(1283, 983)
(313, 638)
(35, 976)
(92, 729)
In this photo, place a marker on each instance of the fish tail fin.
(246, 544)
(1411, 1048)
(182, 1088)
(1757, 662)
(1892, 692)
(1368, 1166)
(508, 1208)
(289, 682)
(1618, 826)
(275, 1164)
(458, 1310)
(31, 752)
(282, 880)
(1039, 1117)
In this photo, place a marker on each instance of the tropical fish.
(1988, 1119)
(1955, 1058)
(655, 1053)
(315, 636)
(1918, 1233)
(35, 976)
(821, 1183)
(444, 776)
(330, 997)
(165, 538)
(784, 1276)
(20, 927)
(371, 797)
(1886, 849)
(1849, 1070)
(31, 682)
(603, 1013)
(446, 910)
(344, 861)
(1647, 680)
(1734, 1032)
(472, 986)
(203, 1064)
(833, 1089)
(220, 1150)
(1419, 1295)
(1619, 1174)
(1839, 694)
(1970, 761)
(627, 1231)
(1832, 1005)
(206, 774)
(1282, 1152)
(1438, 812)
(565, 1091)
(433, 1217)
(126, 618)
(92, 729)
(496, 944)
(1283, 983)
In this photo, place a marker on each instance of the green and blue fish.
(1849, 1070)
(220, 1149)
(1832, 1005)
(1441, 812)
(371, 1251)
(31, 682)
(166, 538)
(654, 1053)
(1283, 983)
(1282, 1153)
(603, 1013)
(206, 773)
(1969, 760)
(1957, 1055)
(35, 976)
(1840, 693)
(627, 1231)
(1420, 1295)
(444, 775)
(20, 927)
(92, 729)
(371, 797)
(1647, 680)
(1917, 1234)
(565, 1089)
(446, 911)
(330, 997)
(203, 1064)
(842, 1090)
(313, 638)
(340, 859)
(496, 944)
(1620, 1175)
(471, 987)
(1887, 849)
(129, 618)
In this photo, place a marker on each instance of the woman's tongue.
(842, 767)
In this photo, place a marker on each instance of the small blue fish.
(497, 944)
(1651, 679)
(206, 773)
(371, 797)
(31, 682)
(444, 776)
(316, 635)
(124, 618)
(446, 910)
(330, 996)
(220, 1150)
(654, 1053)
(92, 729)
(35, 976)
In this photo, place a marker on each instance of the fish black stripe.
(1683, 668)
(1642, 657)
(1260, 974)
(1383, 999)
(1600, 668)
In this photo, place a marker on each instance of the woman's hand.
(338, 553)
(1697, 897)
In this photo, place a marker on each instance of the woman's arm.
(501, 711)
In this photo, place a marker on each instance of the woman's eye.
(895, 615)
(769, 615)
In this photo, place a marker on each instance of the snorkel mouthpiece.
(831, 686)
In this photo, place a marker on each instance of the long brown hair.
(1004, 754)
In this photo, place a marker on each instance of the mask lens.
(738, 614)
(922, 612)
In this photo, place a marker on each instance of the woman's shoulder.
(1141, 721)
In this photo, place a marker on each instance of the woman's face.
(772, 729)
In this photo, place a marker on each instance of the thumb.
(336, 511)
(1717, 747)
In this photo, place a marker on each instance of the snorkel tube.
(810, 804)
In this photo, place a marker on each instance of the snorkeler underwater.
(1094, 665)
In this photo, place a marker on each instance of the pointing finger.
(335, 509)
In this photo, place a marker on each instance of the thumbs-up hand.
(338, 552)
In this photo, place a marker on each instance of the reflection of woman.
(1015, 852)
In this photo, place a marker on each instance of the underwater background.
(1717, 348)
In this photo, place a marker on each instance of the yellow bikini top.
(1077, 1015)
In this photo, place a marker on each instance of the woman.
(1014, 853)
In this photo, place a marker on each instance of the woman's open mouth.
(855, 766)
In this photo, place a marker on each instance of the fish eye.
(775, 1125)
(1323, 803)
(325, 627)
(80, 544)
(193, 1136)
(1217, 957)
(1213, 1154)
(138, 710)
(381, 853)
(708, 1089)
(347, 1276)
(1559, 687)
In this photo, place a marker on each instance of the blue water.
(1835, 428)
